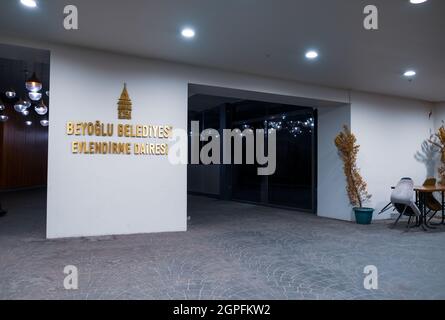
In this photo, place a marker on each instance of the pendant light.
(41, 109)
(25, 112)
(10, 94)
(44, 123)
(3, 118)
(22, 105)
(28, 123)
(33, 84)
(35, 96)
(27, 103)
(2, 105)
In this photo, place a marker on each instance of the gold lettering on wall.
(158, 149)
(97, 129)
(84, 147)
(100, 129)
(144, 131)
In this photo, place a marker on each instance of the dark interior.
(24, 148)
(294, 183)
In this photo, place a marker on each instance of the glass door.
(293, 185)
(247, 185)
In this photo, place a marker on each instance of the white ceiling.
(265, 37)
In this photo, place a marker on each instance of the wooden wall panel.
(24, 151)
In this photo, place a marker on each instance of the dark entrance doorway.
(294, 183)
(24, 121)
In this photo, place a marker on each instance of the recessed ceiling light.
(410, 73)
(188, 33)
(311, 54)
(29, 3)
(417, 1)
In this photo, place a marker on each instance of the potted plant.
(438, 140)
(356, 187)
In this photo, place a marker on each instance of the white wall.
(439, 114)
(332, 198)
(390, 131)
(112, 194)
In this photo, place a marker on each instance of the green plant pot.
(363, 215)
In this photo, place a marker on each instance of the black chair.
(404, 210)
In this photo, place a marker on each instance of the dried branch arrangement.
(438, 140)
(348, 149)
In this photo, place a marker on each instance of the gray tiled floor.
(232, 251)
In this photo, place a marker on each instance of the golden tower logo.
(124, 105)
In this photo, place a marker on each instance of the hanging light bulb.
(41, 109)
(2, 106)
(35, 96)
(27, 103)
(25, 112)
(3, 118)
(10, 94)
(33, 84)
(44, 123)
(21, 105)
(28, 123)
